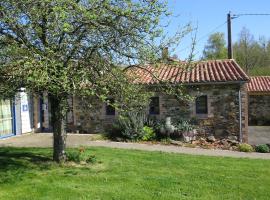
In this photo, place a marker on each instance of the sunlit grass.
(28, 173)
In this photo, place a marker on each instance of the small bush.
(74, 156)
(245, 147)
(129, 126)
(262, 148)
(80, 155)
(185, 126)
(149, 133)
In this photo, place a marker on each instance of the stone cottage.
(219, 88)
(226, 102)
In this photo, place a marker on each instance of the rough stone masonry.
(221, 120)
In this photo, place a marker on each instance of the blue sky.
(209, 14)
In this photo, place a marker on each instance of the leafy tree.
(215, 47)
(248, 52)
(253, 55)
(75, 47)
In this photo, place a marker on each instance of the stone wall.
(90, 119)
(259, 110)
(221, 121)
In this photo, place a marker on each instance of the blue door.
(7, 119)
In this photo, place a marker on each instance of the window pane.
(5, 118)
(154, 106)
(201, 105)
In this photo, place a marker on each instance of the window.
(6, 118)
(154, 106)
(201, 105)
(110, 110)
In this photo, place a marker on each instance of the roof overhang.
(256, 93)
(203, 83)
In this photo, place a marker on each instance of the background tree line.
(253, 55)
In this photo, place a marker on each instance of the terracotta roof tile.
(259, 84)
(213, 71)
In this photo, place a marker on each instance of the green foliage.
(80, 48)
(133, 126)
(251, 54)
(129, 126)
(260, 71)
(216, 47)
(77, 47)
(262, 148)
(245, 147)
(80, 155)
(184, 125)
(74, 156)
(91, 159)
(149, 133)
(150, 121)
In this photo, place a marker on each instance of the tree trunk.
(59, 113)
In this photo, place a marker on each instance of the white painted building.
(16, 115)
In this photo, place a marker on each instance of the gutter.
(240, 116)
(216, 83)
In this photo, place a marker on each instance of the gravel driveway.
(75, 140)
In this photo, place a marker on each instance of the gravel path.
(74, 140)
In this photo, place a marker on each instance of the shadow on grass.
(17, 157)
(16, 162)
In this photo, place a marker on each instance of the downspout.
(240, 116)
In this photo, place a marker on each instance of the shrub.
(149, 133)
(262, 148)
(245, 147)
(129, 126)
(80, 155)
(74, 156)
(184, 126)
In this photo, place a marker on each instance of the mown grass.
(28, 173)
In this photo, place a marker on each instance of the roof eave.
(204, 83)
(257, 93)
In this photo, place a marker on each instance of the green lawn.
(128, 174)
